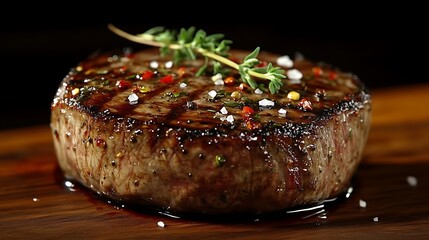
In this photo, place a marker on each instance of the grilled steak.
(137, 128)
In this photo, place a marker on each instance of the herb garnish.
(188, 42)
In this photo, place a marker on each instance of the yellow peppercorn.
(75, 91)
(144, 89)
(236, 95)
(292, 95)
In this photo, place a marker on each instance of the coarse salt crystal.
(362, 203)
(282, 112)
(183, 85)
(133, 99)
(216, 77)
(265, 102)
(161, 224)
(258, 91)
(375, 219)
(285, 61)
(230, 118)
(168, 64)
(219, 82)
(412, 181)
(154, 64)
(294, 74)
(223, 110)
(212, 93)
(35, 199)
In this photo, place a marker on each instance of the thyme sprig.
(187, 42)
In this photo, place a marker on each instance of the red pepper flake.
(247, 111)
(305, 104)
(229, 81)
(166, 79)
(123, 84)
(317, 71)
(250, 123)
(146, 75)
(332, 75)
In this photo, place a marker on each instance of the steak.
(137, 128)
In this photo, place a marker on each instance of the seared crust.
(161, 151)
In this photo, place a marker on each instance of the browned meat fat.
(135, 127)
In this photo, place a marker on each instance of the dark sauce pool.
(377, 194)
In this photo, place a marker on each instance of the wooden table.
(34, 203)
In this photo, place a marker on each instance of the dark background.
(384, 48)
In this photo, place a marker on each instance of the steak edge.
(174, 149)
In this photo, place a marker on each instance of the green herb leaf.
(254, 54)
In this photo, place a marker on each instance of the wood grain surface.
(35, 202)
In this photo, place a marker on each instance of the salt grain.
(154, 64)
(285, 61)
(375, 219)
(223, 110)
(265, 102)
(168, 64)
(219, 82)
(258, 91)
(212, 93)
(282, 112)
(230, 119)
(412, 181)
(217, 77)
(133, 99)
(294, 74)
(183, 85)
(362, 203)
(35, 199)
(161, 224)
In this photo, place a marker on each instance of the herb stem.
(219, 58)
(148, 40)
(133, 38)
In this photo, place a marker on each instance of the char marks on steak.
(159, 137)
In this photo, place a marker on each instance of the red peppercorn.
(247, 111)
(123, 84)
(147, 74)
(166, 79)
(229, 81)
